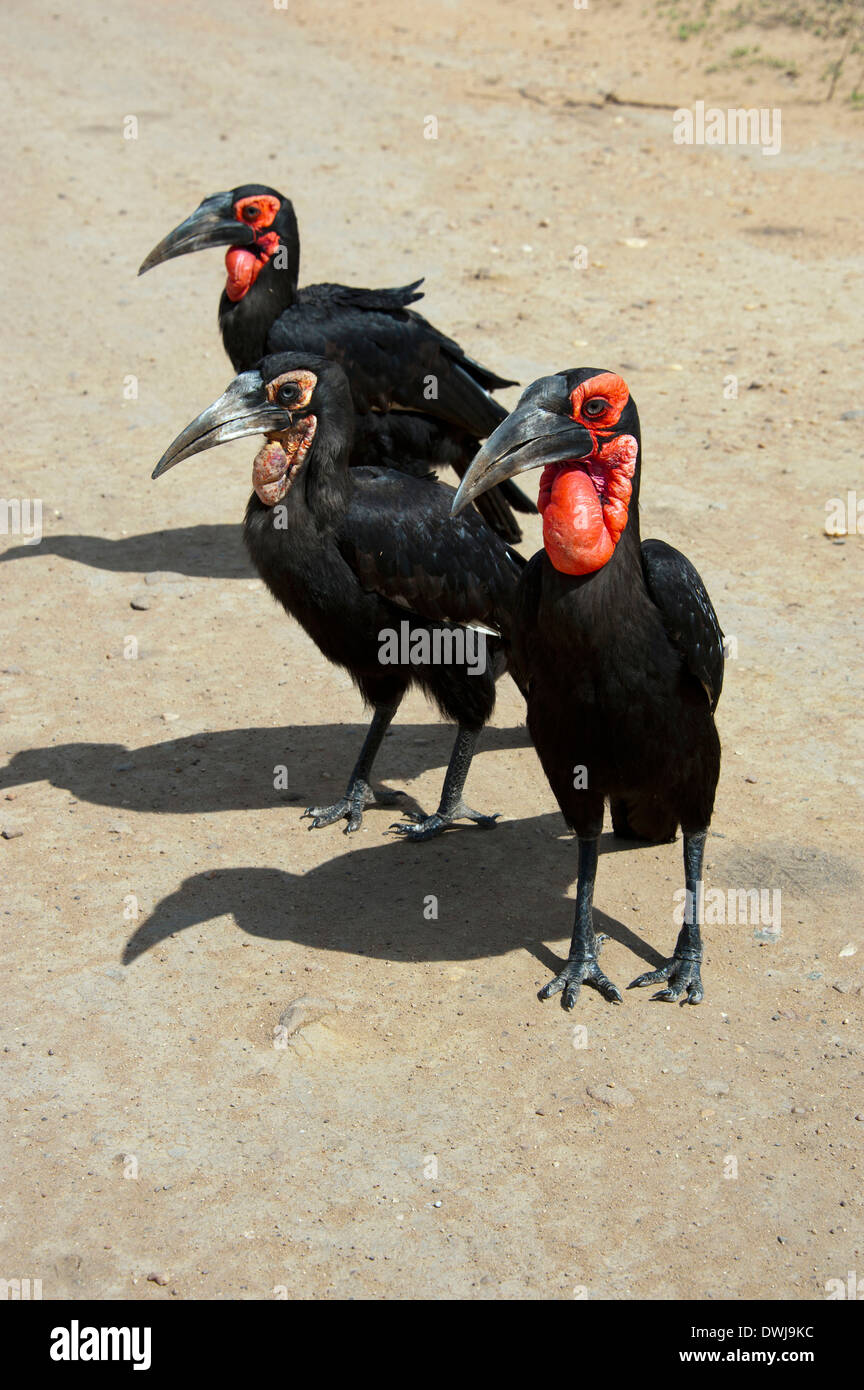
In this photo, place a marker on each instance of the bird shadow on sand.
(370, 901)
(202, 552)
(235, 769)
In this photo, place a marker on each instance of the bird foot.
(579, 971)
(681, 972)
(351, 807)
(419, 826)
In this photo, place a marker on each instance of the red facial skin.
(584, 504)
(242, 264)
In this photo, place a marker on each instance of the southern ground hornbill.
(354, 552)
(618, 650)
(396, 362)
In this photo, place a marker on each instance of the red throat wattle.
(584, 506)
(244, 266)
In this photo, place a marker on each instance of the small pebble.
(161, 1279)
(11, 832)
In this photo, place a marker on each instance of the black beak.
(242, 409)
(529, 438)
(212, 224)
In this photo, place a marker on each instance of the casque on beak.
(530, 437)
(211, 224)
(242, 409)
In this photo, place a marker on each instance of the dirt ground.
(422, 1127)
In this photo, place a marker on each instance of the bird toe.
(327, 815)
(420, 827)
(575, 974)
(554, 987)
(651, 977)
(681, 979)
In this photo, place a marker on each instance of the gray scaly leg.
(358, 793)
(452, 807)
(681, 972)
(582, 966)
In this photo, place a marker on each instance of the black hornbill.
(355, 552)
(618, 649)
(394, 359)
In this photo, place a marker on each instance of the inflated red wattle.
(581, 524)
(243, 269)
(574, 533)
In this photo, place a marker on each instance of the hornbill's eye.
(595, 406)
(250, 213)
(288, 393)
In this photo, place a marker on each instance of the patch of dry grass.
(835, 27)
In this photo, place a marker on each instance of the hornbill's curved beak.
(242, 409)
(211, 224)
(529, 438)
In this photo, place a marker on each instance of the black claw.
(350, 806)
(681, 977)
(420, 827)
(651, 977)
(554, 987)
(573, 976)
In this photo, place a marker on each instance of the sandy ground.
(428, 1128)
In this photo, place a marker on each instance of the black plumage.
(394, 359)
(353, 552)
(621, 658)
